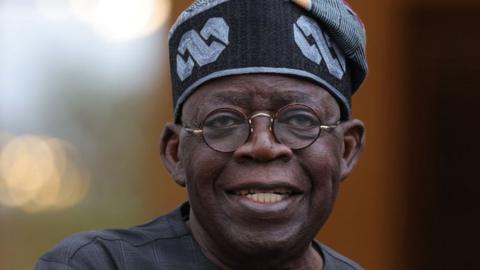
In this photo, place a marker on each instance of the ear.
(170, 152)
(353, 142)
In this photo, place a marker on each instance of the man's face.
(221, 185)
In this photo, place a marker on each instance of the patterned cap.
(319, 40)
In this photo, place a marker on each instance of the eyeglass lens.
(295, 126)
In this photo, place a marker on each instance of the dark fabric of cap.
(324, 43)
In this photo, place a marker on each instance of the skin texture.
(235, 233)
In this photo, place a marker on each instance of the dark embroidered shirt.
(164, 243)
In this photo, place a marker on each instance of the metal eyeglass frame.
(325, 128)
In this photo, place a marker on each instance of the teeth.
(265, 197)
(243, 192)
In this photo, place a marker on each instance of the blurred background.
(84, 95)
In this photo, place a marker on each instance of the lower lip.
(280, 209)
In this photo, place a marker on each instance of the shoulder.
(113, 249)
(335, 260)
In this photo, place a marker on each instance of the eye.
(299, 119)
(223, 119)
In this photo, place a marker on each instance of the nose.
(262, 145)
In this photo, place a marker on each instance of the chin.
(269, 250)
(269, 241)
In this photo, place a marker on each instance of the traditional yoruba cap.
(320, 40)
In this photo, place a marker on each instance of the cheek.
(323, 164)
(202, 166)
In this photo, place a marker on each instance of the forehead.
(256, 92)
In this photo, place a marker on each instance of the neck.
(227, 257)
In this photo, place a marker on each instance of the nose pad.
(258, 116)
(261, 144)
(261, 131)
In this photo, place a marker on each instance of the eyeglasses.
(294, 125)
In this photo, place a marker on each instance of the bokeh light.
(114, 20)
(38, 173)
(122, 20)
(54, 10)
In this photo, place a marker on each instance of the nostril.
(286, 158)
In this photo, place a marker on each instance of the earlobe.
(170, 152)
(353, 142)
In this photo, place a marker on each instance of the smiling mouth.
(265, 196)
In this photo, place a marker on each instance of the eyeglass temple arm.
(194, 131)
(329, 127)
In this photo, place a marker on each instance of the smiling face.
(264, 198)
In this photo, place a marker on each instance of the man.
(262, 139)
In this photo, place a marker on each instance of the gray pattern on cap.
(342, 22)
(196, 8)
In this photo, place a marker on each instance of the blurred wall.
(443, 45)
